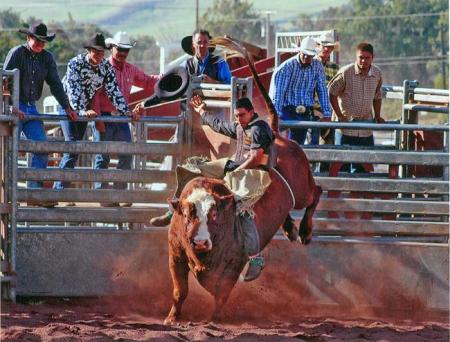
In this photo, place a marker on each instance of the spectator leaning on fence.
(354, 92)
(327, 45)
(36, 65)
(127, 75)
(86, 73)
(294, 84)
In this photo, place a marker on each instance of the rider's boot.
(256, 264)
(252, 247)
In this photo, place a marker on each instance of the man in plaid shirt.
(355, 94)
(294, 84)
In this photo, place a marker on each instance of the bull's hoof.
(305, 239)
(170, 320)
(292, 235)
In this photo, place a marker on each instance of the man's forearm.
(377, 107)
(335, 104)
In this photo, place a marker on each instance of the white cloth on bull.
(247, 185)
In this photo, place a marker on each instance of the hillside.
(166, 20)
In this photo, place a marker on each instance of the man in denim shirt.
(294, 84)
(36, 65)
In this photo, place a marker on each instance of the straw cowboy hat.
(172, 85)
(97, 41)
(327, 39)
(186, 45)
(39, 31)
(308, 46)
(121, 40)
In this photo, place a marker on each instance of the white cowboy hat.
(308, 46)
(327, 39)
(121, 40)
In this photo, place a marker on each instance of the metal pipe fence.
(424, 206)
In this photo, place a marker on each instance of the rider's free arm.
(218, 125)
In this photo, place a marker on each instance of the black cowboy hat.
(97, 41)
(186, 45)
(172, 85)
(38, 30)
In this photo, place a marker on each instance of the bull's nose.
(202, 244)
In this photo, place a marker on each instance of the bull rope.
(288, 186)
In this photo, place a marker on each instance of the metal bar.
(214, 93)
(213, 86)
(425, 108)
(82, 147)
(384, 206)
(434, 100)
(13, 179)
(87, 195)
(161, 119)
(419, 186)
(105, 215)
(90, 175)
(378, 157)
(361, 125)
(249, 85)
(58, 229)
(431, 91)
(326, 226)
(217, 103)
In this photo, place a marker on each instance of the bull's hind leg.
(179, 272)
(306, 226)
(289, 228)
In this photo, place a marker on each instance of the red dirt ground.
(95, 319)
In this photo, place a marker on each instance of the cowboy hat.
(308, 46)
(186, 44)
(39, 31)
(121, 40)
(97, 41)
(172, 85)
(327, 39)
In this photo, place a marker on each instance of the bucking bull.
(205, 236)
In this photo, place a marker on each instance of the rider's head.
(244, 111)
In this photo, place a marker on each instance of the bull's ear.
(176, 205)
(225, 202)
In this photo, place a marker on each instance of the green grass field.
(165, 20)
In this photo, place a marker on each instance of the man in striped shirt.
(354, 92)
(294, 84)
(127, 75)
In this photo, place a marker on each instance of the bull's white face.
(203, 202)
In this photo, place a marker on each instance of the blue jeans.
(73, 131)
(34, 130)
(114, 131)
(356, 141)
(299, 135)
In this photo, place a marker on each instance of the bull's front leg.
(179, 271)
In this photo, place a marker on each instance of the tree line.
(410, 38)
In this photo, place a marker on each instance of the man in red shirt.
(127, 75)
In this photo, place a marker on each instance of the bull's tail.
(238, 48)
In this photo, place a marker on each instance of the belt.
(28, 103)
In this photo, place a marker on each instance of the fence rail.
(364, 205)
